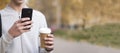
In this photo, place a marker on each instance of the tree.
(3, 3)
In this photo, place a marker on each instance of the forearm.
(5, 40)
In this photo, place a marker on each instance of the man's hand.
(49, 42)
(20, 27)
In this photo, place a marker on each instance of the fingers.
(49, 48)
(22, 31)
(50, 36)
(29, 26)
(23, 23)
(20, 26)
(26, 23)
(25, 19)
(25, 27)
(49, 41)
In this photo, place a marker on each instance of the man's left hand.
(49, 42)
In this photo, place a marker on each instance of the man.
(16, 37)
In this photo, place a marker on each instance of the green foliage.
(108, 35)
(75, 11)
(3, 3)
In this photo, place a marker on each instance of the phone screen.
(27, 12)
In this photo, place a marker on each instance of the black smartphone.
(27, 12)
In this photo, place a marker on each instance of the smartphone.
(27, 12)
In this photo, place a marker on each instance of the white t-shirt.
(28, 42)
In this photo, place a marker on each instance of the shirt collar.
(10, 8)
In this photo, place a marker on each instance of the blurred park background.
(93, 21)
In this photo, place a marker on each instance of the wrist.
(11, 34)
(49, 50)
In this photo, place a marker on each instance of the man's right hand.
(20, 26)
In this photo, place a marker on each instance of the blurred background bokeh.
(95, 22)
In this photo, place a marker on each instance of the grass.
(106, 35)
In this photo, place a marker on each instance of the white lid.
(45, 30)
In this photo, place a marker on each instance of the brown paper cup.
(44, 32)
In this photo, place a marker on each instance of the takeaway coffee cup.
(44, 32)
